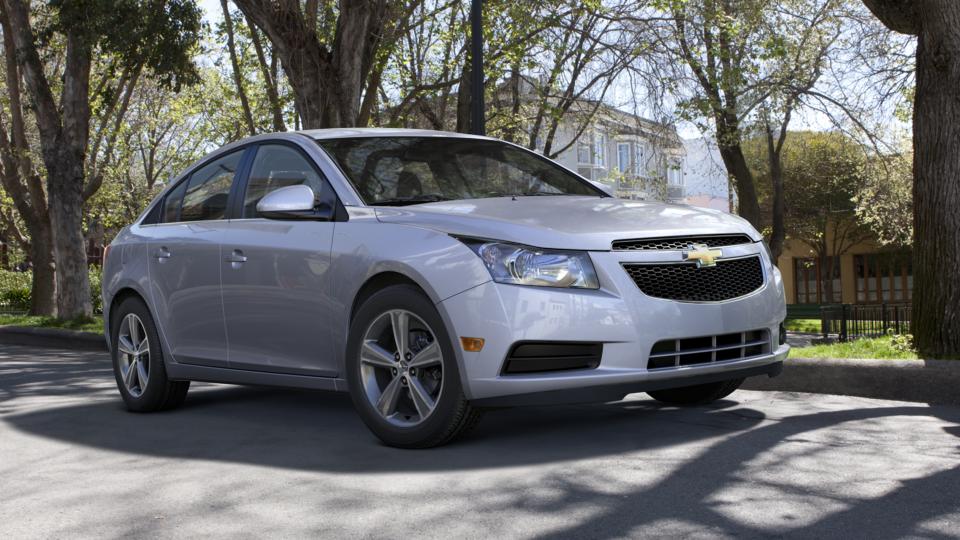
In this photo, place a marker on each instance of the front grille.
(680, 242)
(538, 357)
(685, 282)
(672, 353)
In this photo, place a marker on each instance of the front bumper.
(627, 323)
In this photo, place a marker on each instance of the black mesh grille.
(680, 242)
(684, 281)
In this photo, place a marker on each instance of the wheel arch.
(388, 277)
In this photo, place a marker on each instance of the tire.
(698, 394)
(398, 384)
(157, 393)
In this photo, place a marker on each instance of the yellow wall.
(848, 280)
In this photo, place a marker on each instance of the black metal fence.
(847, 321)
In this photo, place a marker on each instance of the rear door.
(275, 273)
(184, 263)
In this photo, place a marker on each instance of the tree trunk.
(736, 164)
(936, 190)
(65, 188)
(43, 295)
(237, 72)
(463, 96)
(327, 80)
(778, 235)
(268, 77)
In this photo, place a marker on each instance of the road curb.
(52, 337)
(928, 381)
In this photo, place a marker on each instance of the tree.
(328, 51)
(936, 167)
(745, 66)
(155, 35)
(822, 172)
(885, 203)
(22, 180)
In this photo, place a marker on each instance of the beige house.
(866, 273)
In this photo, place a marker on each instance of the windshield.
(412, 170)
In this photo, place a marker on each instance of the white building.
(705, 178)
(639, 158)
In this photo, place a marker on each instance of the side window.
(278, 166)
(209, 189)
(171, 205)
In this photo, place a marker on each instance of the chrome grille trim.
(680, 242)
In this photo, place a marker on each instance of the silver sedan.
(431, 275)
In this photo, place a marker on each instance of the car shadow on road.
(310, 430)
(316, 431)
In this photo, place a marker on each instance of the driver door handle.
(162, 253)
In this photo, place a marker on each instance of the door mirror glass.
(292, 202)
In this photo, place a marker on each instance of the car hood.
(565, 222)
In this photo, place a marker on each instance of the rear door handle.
(162, 253)
(236, 257)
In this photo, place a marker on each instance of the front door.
(275, 275)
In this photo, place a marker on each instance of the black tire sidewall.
(154, 397)
(452, 397)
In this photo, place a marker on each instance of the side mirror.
(293, 202)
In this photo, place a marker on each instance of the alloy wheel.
(401, 367)
(134, 349)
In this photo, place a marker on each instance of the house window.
(674, 174)
(623, 157)
(639, 159)
(810, 280)
(600, 149)
(583, 152)
(883, 277)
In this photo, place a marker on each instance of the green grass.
(809, 326)
(94, 324)
(881, 347)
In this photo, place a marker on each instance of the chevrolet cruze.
(431, 275)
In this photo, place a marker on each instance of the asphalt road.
(251, 462)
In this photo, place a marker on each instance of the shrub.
(902, 343)
(15, 290)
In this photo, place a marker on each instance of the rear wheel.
(402, 372)
(138, 361)
(698, 394)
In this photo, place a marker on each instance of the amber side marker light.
(472, 344)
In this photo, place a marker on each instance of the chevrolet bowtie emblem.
(703, 255)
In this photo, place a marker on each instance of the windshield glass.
(412, 170)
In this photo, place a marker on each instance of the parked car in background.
(431, 275)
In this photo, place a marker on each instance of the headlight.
(523, 265)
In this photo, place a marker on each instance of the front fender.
(363, 248)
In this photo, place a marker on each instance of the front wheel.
(698, 394)
(402, 373)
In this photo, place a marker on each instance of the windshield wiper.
(413, 199)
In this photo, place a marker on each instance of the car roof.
(343, 133)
